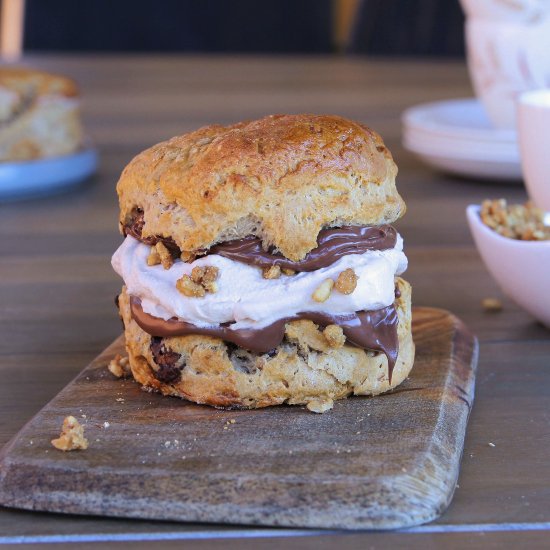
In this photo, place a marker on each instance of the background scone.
(260, 267)
(39, 115)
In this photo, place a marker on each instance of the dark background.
(382, 27)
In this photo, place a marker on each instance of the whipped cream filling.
(248, 300)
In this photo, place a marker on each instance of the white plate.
(468, 149)
(458, 118)
(503, 170)
(457, 137)
(45, 176)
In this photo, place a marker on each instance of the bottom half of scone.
(303, 368)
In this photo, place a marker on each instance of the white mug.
(534, 143)
(511, 11)
(507, 49)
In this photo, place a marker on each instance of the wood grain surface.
(371, 463)
(57, 287)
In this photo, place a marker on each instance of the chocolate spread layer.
(372, 330)
(332, 245)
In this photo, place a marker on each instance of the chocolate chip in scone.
(134, 225)
(302, 353)
(243, 361)
(231, 347)
(169, 363)
(247, 361)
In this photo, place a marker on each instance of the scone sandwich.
(39, 115)
(260, 266)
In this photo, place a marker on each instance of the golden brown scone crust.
(282, 178)
(39, 115)
(305, 368)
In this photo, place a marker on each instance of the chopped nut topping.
(165, 257)
(320, 405)
(322, 292)
(197, 274)
(187, 256)
(346, 282)
(119, 366)
(273, 272)
(71, 437)
(188, 287)
(211, 287)
(288, 271)
(335, 336)
(202, 280)
(491, 305)
(153, 258)
(211, 273)
(515, 221)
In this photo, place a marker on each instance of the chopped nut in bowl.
(515, 247)
(524, 222)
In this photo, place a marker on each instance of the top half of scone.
(282, 178)
(259, 221)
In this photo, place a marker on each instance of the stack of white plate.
(457, 137)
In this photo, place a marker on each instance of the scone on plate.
(39, 115)
(260, 265)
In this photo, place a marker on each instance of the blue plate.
(45, 176)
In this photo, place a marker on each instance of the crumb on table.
(71, 437)
(491, 305)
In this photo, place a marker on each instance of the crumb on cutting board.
(320, 405)
(119, 366)
(71, 437)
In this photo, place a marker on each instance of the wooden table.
(57, 286)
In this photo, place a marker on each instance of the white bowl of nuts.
(514, 244)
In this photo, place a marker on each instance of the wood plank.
(379, 463)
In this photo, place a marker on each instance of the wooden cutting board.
(384, 462)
